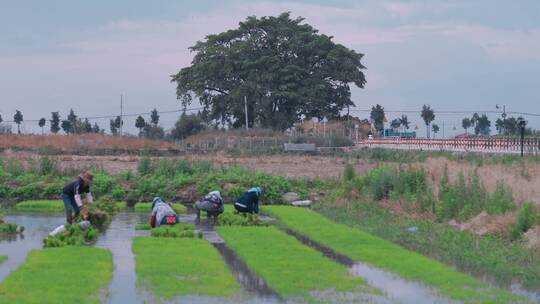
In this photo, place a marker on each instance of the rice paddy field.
(286, 255)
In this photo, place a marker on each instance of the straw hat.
(87, 177)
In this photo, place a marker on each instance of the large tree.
(405, 121)
(428, 115)
(377, 116)
(18, 118)
(283, 67)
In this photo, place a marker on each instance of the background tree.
(435, 128)
(154, 117)
(405, 121)
(86, 126)
(18, 118)
(395, 123)
(66, 126)
(187, 125)
(466, 124)
(72, 118)
(377, 115)
(140, 123)
(285, 68)
(153, 132)
(428, 115)
(95, 128)
(115, 125)
(1, 119)
(55, 122)
(482, 126)
(41, 124)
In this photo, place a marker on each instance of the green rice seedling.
(3, 258)
(73, 235)
(173, 267)
(59, 275)
(147, 207)
(143, 227)
(287, 266)
(362, 246)
(235, 219)
(7, 228)
(41, 206)
(174, 231)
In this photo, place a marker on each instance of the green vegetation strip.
(3, 258)
(288, 267)
(172, 266)
(41, 206)
(147, 207)
(71, 274)
(363, 246)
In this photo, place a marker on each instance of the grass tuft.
(41, 206)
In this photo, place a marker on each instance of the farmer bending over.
(212, 203)
(162, 213)
(72, 195)
(249, 201)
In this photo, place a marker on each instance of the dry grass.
(80, 141)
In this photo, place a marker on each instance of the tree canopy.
(282, 66)
(187, 125)
(18, 118)
(55, 122)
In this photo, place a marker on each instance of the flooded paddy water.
(124, 288)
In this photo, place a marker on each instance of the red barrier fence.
(492, 145)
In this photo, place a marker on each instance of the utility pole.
(443, 130)
(245, 109)
(522, 124)
(121, 112)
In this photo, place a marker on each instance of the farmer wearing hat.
(249, 201)
(72, 195)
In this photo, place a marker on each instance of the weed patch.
(287, 266)
(171, 267)
(59, 275)
(363, 246)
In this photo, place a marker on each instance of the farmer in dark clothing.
(212, 203)
(249, 201)
(72, 195)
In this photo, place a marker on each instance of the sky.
(452, 55)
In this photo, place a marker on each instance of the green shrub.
(145, 166)
(48, 166)
(348, 172)
(103, 183)
(525, 219)
(501, 200)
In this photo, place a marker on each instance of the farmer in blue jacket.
(72, 195)
(249, 201)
